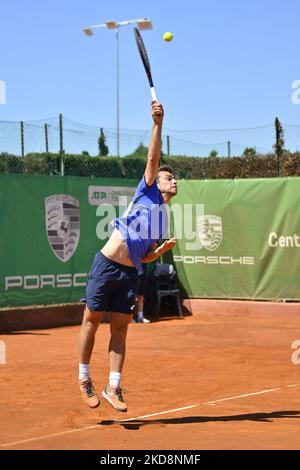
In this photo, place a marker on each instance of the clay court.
(210, 381)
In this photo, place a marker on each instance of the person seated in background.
(140, 318)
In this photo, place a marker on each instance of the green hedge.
(257, 166)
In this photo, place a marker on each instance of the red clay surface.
(171, 365)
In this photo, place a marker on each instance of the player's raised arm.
(155, 144)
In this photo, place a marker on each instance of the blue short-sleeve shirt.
(144, 222)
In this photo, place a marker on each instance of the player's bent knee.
(92, 319)
(120, 328)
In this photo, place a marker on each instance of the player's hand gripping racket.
(145, 60)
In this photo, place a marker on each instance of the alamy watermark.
(2, 92)
(188, 220)
(296, 93)
(2, 353)
(296, 354)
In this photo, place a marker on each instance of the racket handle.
(153, 94)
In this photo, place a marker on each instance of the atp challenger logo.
(210, 231)
(63, 225)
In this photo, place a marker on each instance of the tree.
(140, 151)
(279, 145)
(103, 148)
(213, 154)
(249, 152)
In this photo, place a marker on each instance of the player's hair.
(167, 168)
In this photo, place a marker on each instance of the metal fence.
(59, 133)
(25, 146)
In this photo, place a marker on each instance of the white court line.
(63, 433)
(242, 396)
(34, 439)
(161, 413)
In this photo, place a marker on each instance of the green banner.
(248, 239)
(242, 243)
(50, 230)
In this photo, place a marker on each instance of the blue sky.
(231, 63)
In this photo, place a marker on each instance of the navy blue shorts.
(111, 287)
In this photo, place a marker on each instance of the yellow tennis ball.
(168, 36)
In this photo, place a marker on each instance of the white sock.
(84, 371)
(115, 379)
(140, 315)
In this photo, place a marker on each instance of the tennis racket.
(145, 60)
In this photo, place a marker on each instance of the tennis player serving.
(113, 278)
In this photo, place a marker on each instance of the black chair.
(166, 286)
